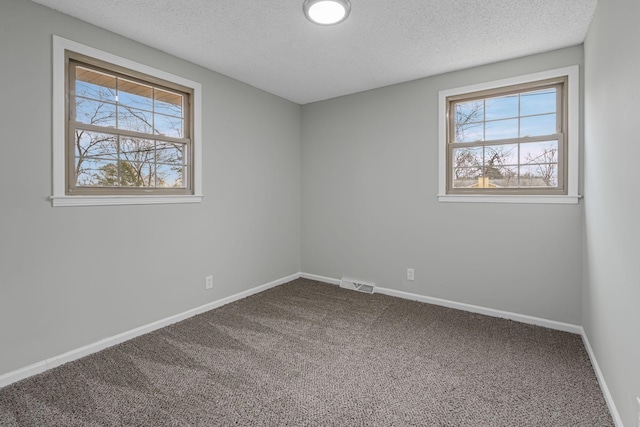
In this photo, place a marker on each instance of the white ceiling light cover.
(326, 12)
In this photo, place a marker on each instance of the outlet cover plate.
(208, 282)
(410, 274)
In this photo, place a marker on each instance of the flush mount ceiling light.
(326, 12)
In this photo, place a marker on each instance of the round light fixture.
(326, 12)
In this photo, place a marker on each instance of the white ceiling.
(271, 45)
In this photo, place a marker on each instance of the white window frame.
(573, 142)
(59, 197)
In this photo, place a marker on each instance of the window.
(510, 141)
(130, 133)
(507, 139)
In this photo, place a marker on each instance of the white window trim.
(573, 145)
(59, 197)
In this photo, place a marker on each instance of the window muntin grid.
(127, 132)
(508, 141)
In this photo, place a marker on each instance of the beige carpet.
(311, 354)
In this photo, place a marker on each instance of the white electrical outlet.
(208, 283)
(410, 274)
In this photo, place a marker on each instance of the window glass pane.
(469, 112)
(466, 177)
(135, 95)
(500, 155)
(501, 107)
(169, 153)
(98, 113)
(502, 177)
(96, 145)
(467, 157)
(501, 129)
(95, 85)
(538, 125)
(170, 176)
(168, 125)
(539, 152)
(137, 174)
(538, 102)
(134, 119)
(470, 132)
(542, 175)
(169, 103)
(137, 150)
(96, 173)
(500, 166)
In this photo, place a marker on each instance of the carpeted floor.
(311, 354)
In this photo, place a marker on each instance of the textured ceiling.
(270, 44)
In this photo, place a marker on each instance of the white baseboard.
(52, 362)
(523, 318)
(603, 384)
(320, 278)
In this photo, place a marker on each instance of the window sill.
(486, 198)
(121, 200)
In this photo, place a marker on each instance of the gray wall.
(369, 207)
(72, 276)
(611, 295)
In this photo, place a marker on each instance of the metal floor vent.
(357, 285)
